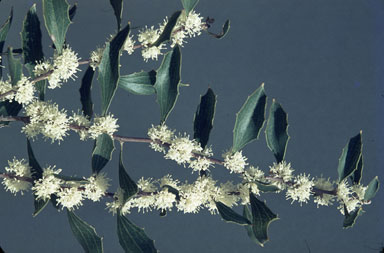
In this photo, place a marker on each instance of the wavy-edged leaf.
(3, 35)
(262, 216)
(15, 67)
(139, 83)
(15, 70)
(204, 116)
(250, 119)
(32, 48)
(39, 205)
(167, 82)
(372, 189)
(350, 218)
(117, 6)
(85, 92)
(36, 170)
(167, 32)
(102, 152)
(71, 179)
(231, 216)
(56, 19)
(72, 12)
(85, 234)
(109, 68)
(189, 5)
(248, 228)
(350, 156)
(358, 173)
(265, 187)
(132, 238)
(37, 173)
(126, 183)
(276, 132)
(224, 31)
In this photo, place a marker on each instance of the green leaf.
(189, 5)
(9, 109)
(109, 68)
(37, 173)
(358, 173)
(71, 179)
(262, 216)
(39, 205)
(85, 92)
(32, 47)
(3, 35)
(203, 119)
(247, 214)
(167, 32)
(224, 32)
(15, 67)
(72, 12)
(85, 234)
(31, 38)
(276, 132)
(167, 82)
(117, 6)
(265, 187)
(372, 189)
(56, 19)
(126, 183)
(350, 156)
(15, 70)
(231, 216)
(350, 218)
(36, 170)
(132, 238)
(102, 153)
(139, 83)
(250, 119)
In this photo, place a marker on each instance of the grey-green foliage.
(85, 234)
(250, 119)
(56, 19)
(168, 81)
(109, 68)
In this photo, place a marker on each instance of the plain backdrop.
(322, 60)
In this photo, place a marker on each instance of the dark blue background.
(322, 60)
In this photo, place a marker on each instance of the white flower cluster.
(83, 123)
(70, 194)
(47, 119)
(95, 58)
(190, 197)
(181, 148)
(350, 197)
(283, 172)
(17, 169)
(235, 162)
(106, 124)
(64, 66)
(187, 26)
(48, 184)
(301, 189)
(22, 92)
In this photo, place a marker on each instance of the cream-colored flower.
(97, 186)
(235, 162)
(106, 124)
(18, 169)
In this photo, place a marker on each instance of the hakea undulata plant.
(46, 119)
